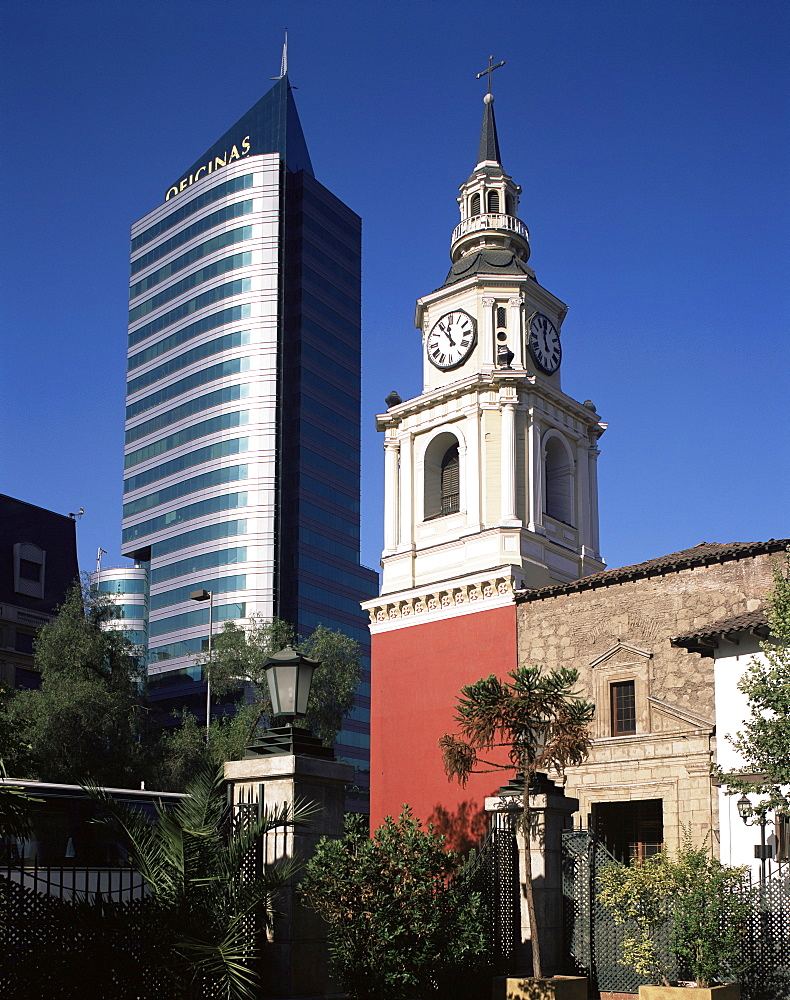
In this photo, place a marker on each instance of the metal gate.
(493, 872)
(594, 941)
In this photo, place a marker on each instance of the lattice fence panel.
(594, 941)
(491, 872)
(64, 948)
(765, 957)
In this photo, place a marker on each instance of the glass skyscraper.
(242, 455)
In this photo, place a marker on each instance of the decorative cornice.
(683, 714)
(618, 646)
(434, 602)
(487, 382)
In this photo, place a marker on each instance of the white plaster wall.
(737, 841)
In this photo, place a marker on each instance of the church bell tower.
(490, 487)
(492, 468)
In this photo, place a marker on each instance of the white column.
(535, 474)
(583, 495)
(515, 340)
(406, 493)
(488, 346)
(391, 493)
(472, 477)
(507, 466)
(595, 542)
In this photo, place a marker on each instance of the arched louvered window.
(474, 205)
(441, 476)
(493, 201)
(558, 480)
(451, 495)
(501, 317)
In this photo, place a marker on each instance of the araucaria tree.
(542, 722)
(764, 740)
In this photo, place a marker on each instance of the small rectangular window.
(623, 708)
(29, 570)
(23, 643)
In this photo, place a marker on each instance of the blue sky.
(651, 142)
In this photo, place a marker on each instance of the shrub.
(694, 899)
(396, 926)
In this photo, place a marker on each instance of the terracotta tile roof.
(739, 623)
(700, 555)
(704, 640)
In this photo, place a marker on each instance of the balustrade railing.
(491, 220)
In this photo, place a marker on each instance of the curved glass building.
(241, 462)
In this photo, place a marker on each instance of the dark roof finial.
(489, 143)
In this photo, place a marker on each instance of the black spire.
(489, 143)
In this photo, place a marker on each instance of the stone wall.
(621, 631)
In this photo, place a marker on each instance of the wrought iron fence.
(60, 944)
(492, 871)
(111, 883)
(594, 941)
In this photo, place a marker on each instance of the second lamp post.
(207, 595)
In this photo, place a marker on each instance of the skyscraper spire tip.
(284, 60)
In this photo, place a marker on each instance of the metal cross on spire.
(490, 70)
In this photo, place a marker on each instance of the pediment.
(621, 648)
(680, 714)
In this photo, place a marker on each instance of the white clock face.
(451, 340)
(544, 343)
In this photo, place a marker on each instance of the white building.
(734, 644)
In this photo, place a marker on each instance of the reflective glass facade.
(282, 332)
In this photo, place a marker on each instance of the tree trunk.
(526, 817)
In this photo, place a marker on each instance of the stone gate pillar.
(288, 766)
(552, 812)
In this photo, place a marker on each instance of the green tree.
(395, 924)
(238, 655)
(209, 905)
(696, 901)
(542, 722)
(183, 750)
(764, 741)
(87, 719)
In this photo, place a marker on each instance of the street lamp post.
(289, 675)
(762, 850)
(207, 595)
(283, 765)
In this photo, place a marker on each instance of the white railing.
(491, 220)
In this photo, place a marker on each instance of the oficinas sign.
(234, 153)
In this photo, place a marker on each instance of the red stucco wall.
(417, 672)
